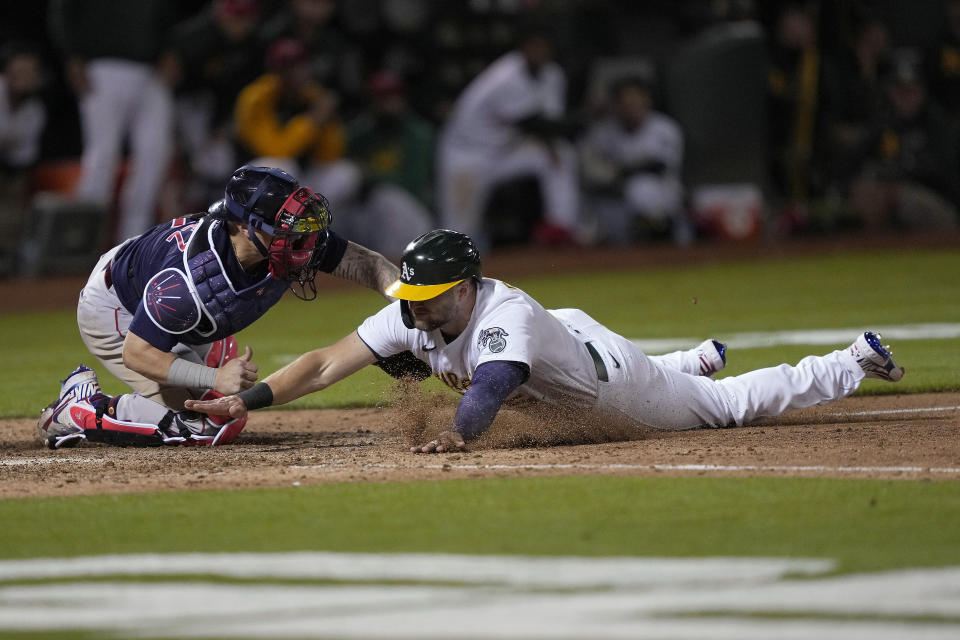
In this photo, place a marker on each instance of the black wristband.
(258, 396)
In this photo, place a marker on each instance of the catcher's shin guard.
(128, 420)
(94, 419)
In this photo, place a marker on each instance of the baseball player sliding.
(160, 310)
(491, 342)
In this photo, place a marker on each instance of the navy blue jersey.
(182, 282)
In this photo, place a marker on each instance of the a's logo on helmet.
(494, 339)
(406, 272)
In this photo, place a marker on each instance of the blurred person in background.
(632, 162)
(23, 117)
(333, 60)
(285, 119)
(508, 123)
(112, 48)
(392, 148)
(943, 66)
(908, 177)
(210, 59)
(853, 96)
(794, 83)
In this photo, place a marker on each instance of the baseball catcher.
(160, 310)
(491, 341)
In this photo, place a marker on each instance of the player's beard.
(430, 323)
(426, 319)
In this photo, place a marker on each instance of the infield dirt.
(281, 448)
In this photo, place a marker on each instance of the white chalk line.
(884, 412)
(757, 339)
(500, 596)
(333, 466)
(52, 459)
(514, 570)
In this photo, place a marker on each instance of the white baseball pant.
(124, 98)
(466, 178)
(648, 391)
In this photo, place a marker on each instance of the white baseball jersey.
(617, 382)
(21, 128)
(481, 147)
(506, 91)
(506, 324)
(658, 138)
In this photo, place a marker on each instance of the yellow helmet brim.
(418, 292)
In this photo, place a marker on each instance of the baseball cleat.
(874, 358)
(713, 356)
(56, 426)
(81, 383)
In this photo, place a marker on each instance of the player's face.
(434, 313)
(633, 105)
(23, 75)
(538, 51)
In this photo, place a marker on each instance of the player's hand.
(445, 442)
(236, 375)
(226, 406)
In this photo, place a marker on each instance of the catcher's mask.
(431, 264)
(297, 219)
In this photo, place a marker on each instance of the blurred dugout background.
(793, 118)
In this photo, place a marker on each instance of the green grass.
(850, 290)
(801, 293)
(865, 525)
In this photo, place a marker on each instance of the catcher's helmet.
(298, 219)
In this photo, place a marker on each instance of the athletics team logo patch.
(494, 339)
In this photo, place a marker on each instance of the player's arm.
(367, 268)
(310, 372)
(144, 358)
(166, 368)
(491, 384)
(318, 369)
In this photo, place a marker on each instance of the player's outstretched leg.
(663, 397)
(814, 380)
(84, 412)
(705, 359)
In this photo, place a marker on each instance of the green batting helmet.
(435, 262)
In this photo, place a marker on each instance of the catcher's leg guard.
(221, 352)
(181, 427)
(126, 420)
(94, 418)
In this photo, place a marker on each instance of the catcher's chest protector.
(226, 310)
